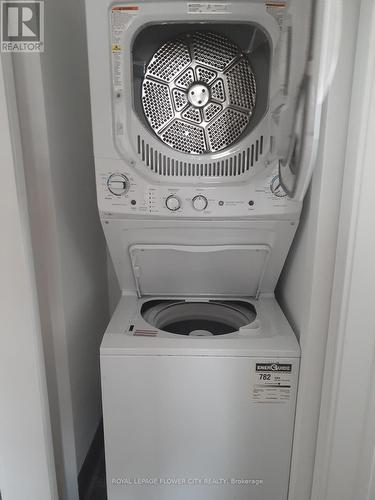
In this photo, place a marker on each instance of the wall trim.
(27, 463)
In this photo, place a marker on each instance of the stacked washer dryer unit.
(194, 106)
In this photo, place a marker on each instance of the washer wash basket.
(198, 319)
(199, 92)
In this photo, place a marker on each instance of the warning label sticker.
(272, 382)
(209, 8)
(121, 17)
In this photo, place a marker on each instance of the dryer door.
(218, 270)
(296, 168)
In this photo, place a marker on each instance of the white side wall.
(345, 461)
(305, 286)
(68, 242)
(27, 467)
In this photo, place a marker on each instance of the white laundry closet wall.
(68, 242)
(305, 287)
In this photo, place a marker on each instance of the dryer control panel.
(123, 192)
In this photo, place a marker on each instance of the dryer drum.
(199, 92)
(198, 318)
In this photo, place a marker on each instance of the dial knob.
(118, 184)
(276, 187)
(200, 203)
(173, 203)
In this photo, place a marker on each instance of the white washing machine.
(199, 365)
(205, 122)
(199, 388)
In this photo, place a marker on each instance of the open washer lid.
(218, 270)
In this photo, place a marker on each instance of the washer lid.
(225, 270)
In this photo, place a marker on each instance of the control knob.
(173, 203)
(200, 203)
(118, 184)
(276, 187)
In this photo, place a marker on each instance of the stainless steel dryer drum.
(199, 92)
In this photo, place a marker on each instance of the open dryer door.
(296, 167)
